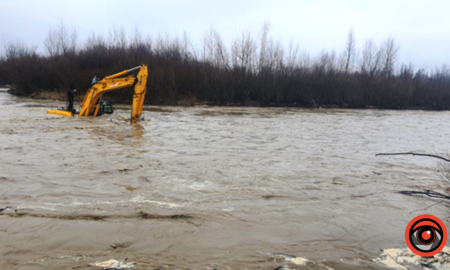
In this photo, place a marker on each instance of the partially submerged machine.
(93, 105)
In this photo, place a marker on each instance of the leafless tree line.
(254, 69)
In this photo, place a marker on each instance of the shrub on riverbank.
(252, 71)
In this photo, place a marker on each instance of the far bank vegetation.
(254, 69)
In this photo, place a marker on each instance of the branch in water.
(414, 154)
(426, 193)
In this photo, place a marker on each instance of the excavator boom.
(111, 83)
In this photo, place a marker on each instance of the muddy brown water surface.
(211, 187)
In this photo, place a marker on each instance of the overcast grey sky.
(421, 28)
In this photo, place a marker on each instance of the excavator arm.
(111, 83)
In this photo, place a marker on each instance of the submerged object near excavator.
(93, 105)
(60, 112)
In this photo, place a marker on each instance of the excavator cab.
(93, 105)
(106, 107)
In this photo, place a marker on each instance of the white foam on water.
(290, 259)
(297, 260)
(141, 199)
(35, 207)
(55, 204)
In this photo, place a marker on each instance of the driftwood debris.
(3, 209)
(413, 154)
(425, 193)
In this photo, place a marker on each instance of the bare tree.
(372, 58)
(73, 39)
(208, 45)
(149, 43)
(264, 44)
(349, 52)
(221, 54)
(377, 61)
(271, 55)
(51, 43)
(214, 50)
(243, 51)
(445, 71)
(368, 56)
(276, 54)
(112, 36)
(327, 61)
(163, 44)
(390, 56)
(122, 38)
(61, 40)
(292, 55)
(117, 37)
(95, 40)
(18, 49)
(305, 60)
(136, 38)
(186, 44)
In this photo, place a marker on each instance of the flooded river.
(212, 187)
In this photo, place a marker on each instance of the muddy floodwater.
(212, 187)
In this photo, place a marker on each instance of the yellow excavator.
(92, 101)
